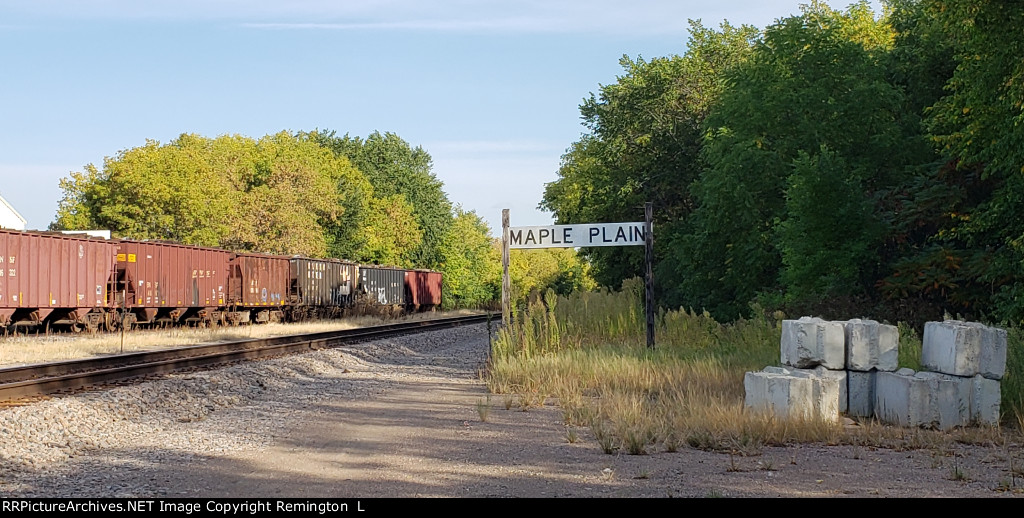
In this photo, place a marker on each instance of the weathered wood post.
(506, 283)
(649, 277)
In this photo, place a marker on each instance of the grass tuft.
(483, 408)
(957, 472)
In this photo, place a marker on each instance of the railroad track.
(40, 379)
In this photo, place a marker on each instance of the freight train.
(82, 283)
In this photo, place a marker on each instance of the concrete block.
(992, 364)
(898, 399)
(950, 398)
(927, 399)
(826, 397)
(820, 372)
(800, 396)
(810, 342)
(840, 377)
(985, 397)
(860, 393)
(870, 345)
(964, 349)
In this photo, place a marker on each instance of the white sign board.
(582, 235)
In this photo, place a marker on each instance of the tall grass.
(587, 351)
(909, 348)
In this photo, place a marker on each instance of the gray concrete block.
(860, 393)
(840, 377)
(826, 397)
(822, 372)
(985, 398)
(900, 400)
(809, 342)
(964, 349)
(927, 399)
(800, 396)
(951, 348)
(992, 363)
(950, 399)
(870, 345)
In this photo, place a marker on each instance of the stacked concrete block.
(928, 399)
(820, 372)
(848, 367)
(838, 376)
(985, 397)
(871, 346)
(964, 349)
(802, 395)
(950, 398)
(974, 353)
(898, 399)
(810, 342)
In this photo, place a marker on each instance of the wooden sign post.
(506, 283)
(649, 277)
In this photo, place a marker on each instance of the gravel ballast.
(64, 446)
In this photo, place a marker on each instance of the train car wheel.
(110, 322)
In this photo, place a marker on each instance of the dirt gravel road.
(415, 429)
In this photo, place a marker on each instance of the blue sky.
(491, 89)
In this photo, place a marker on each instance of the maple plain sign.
(582, 235)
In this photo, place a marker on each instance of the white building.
(9, 218)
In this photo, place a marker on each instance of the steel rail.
(46, 378)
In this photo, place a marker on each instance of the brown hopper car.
(51, 279)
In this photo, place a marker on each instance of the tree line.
(843, 163)
(374, 201)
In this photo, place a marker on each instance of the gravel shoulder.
(401, 418)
